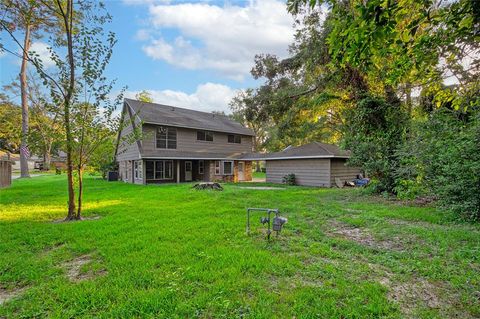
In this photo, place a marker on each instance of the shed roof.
(153, 113)
(311, 150)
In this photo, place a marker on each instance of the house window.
(159, 170)
(137, 168)
(201, 167)
(205, 136)
(232, 138)
(227, 168)
(166, 137)
(217, 167)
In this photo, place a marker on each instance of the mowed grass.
(259, 175)
(167, 251)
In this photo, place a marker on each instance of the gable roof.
(160, 114)
(311, 150)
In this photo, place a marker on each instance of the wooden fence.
(5, 173)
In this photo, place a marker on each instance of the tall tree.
(45, 124)
(31, 18)
(144, 96)
(10, 116)
(249, 112)
(405, 44)
(80, 51)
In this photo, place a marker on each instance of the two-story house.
(165, 144)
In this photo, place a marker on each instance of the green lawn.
(258, 175)
(170, 251)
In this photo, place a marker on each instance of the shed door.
(188, 171)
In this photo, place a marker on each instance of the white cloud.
(224, 39)
(207, 97)
(143, 2)
(41, 49)
(142, 35)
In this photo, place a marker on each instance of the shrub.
(289, 179)
(447, 148)
(105, 167)
(408, 189)
(374, 131)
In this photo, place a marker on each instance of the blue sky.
(189, 54)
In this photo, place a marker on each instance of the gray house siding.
(125, 171)
(340, 170)
(187, 141)
(308, 172)
(127, 149)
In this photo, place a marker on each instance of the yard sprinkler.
(276, 224)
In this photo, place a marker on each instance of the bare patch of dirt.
(75, 272)
(7, 295)
(293, 282)
(418, 292)
(407, 294)
(363, 237)
(63, 220)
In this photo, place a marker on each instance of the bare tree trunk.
(47, 158)
(71, 191)
(80, 193)
(68, 20)
(23, 89)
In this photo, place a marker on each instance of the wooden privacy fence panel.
(5, 173)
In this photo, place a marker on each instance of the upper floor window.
(232, 138)
(205, 136)
(166, 137)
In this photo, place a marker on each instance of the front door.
(188, 171)
(241, 170)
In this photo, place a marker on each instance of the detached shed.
(314, 164)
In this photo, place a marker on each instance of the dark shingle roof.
(311, 150)
(153, 113)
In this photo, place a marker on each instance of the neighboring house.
(166, 144)
(314, 164)
(15, 158)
